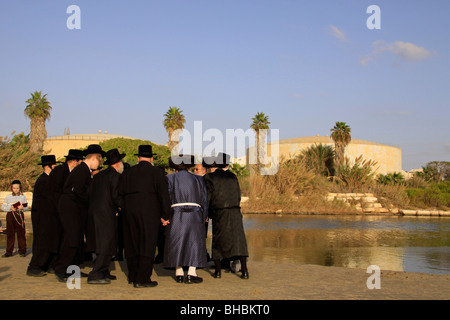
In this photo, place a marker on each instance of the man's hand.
(165, 222)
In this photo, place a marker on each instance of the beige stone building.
(60, 145)
(388, 158)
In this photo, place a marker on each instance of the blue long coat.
(185, 235)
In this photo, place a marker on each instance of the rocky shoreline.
(357, 203)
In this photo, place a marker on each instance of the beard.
(120, 168)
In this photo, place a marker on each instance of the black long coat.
(104, 203)
(41, 211)
(224, 197)
(145, 194)
(73, 205)
(56, 181)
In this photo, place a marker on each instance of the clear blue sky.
(306, 64)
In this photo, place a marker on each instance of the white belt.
(186, 204)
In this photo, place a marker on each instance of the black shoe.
(145, 285)
(244, 275)
(179, 279)
(99, 281)
(217, 274)
(193, 279)
(35, 273)
(139, 285)
(152, 284)
(110, 276)
(22, 255)
(51, 270)
(61, 277)
(6, 255)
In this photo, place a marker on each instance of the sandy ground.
(268, 281)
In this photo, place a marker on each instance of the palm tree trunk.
(261, 147)
(340, 151)
(38, 134)
(174, 140)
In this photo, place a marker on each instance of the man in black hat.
(144, 189)
(57, 178)
(60, 173)
(73, 209)
(105, 190)
(224, 197)
(41, 217)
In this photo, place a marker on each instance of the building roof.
(326, 139)
(90, 136)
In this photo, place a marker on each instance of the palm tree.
(319, 158)
(38, 111)
(260, 122)
(341, 137)
(173, 120)
(391, 178)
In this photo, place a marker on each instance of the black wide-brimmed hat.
(208, 161)
(75, 154)
(181, 162)
(48, 160)
(94, 148)
(145, 151)
(113, 156)
(222, 160)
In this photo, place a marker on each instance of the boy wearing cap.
(15, 204)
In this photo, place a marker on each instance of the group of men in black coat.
(75, 211)
(47, 229)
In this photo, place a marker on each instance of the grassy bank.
(298, 189)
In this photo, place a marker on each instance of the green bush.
(239, 170)
(17, 161)
(130, 147)
(357, 176)
(436, 195)
(391, 178)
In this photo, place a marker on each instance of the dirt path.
(268, 281)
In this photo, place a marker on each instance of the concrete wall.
(59, 146)
(388, 158)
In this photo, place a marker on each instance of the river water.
(413, 244)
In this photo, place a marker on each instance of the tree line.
(20, 151)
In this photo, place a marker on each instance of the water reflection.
(413, 244)
(397, 243)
